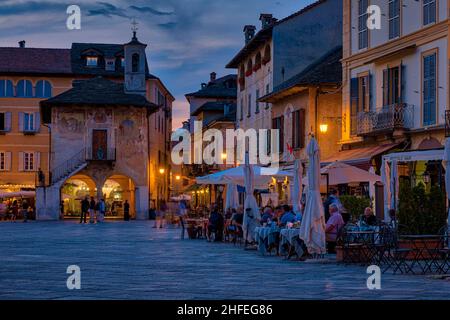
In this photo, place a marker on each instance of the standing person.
(61, 209)
(215, 224)
(163, 209)
(101, 210)
(181, 214)
(334, 225)
(84, 209)
(25, 207)
(126, 211)
(30, 213)
(92, 210)
(14, 211)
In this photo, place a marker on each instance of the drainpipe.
(49, 153)
(316, 113)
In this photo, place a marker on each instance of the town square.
(225, 150)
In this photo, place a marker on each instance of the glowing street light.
(162, 170)
(323, 128)
(177, 177)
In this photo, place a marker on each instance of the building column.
(141, 202)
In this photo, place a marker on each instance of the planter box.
(414, 245)
(359, 254)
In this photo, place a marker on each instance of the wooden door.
(99, 144)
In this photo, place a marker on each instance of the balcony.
(99, 155)
(390, 118)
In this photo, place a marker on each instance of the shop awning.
(359, 157)
(18, 194)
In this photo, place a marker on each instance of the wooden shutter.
(402, 80)
(354, 100)
(21, 164)
(37, 121)
(302, 128)
(7, 161)
(282, 134)
(385, 87)
(8, 116)
(21, 116)
(37, 161)
(370, 92)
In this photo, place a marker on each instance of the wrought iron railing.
(389, 118)
(67, 167)
(101, 155)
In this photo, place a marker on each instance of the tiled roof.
(214, 106)
(327, 69)
(218, 88)
(96, 92)
(35, 60)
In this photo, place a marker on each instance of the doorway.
(99, 144)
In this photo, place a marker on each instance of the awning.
(359, 157)
(18, 194)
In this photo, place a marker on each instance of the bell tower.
(135, 72)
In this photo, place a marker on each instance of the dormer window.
(91, 61)
(122, 62)
(110, 64)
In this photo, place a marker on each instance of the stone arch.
(429, 143)
(73, 190)
(116, 189)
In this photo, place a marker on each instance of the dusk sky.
(187, 39)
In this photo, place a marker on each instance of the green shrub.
(355, 205)
(422, 212)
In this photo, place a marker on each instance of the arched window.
(267, 54)
(6, 88)
(24, 89)
(249, 68)
(43, 89)
(257, 61)
(135, 62)
(242, 77)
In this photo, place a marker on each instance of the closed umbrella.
(447, 175)
(312, 229)
(297, 192)
(385, 179)
(252, 216)
(394, 185)
(231, 196)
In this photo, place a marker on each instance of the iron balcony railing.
(101, 155)
(389, 118)
(63, 170)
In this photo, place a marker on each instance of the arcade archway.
(117, 190)
(74, 190)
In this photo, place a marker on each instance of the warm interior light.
(323, 128)
(177, 177)
(224, 156)
(161, 170)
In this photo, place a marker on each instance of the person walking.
(25, 207)
(84, 209)
(92, 210)
(126, 211)
(14, 211)
(101, 210)
(163, 209)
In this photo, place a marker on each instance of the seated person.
(266, 216)
(369, 218)
(215, 224)
(334, 224)
(229, 213)
(287, 217)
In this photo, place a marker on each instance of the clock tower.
(135, 71)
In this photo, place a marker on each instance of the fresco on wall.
(70, 124)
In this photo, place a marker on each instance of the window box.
(248, 73)
(257, 67)
(265, 60)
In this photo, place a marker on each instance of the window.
(363, 31)
(6, 88)
(91, 61)
(429, 12)
(135, 62)
(392, 86)
(267, 92)
(24, 89)
(360, 93)
(5, 121)
(278, 123)
(267, 55)
(122, 62)
(242, 110)
(28, 161)
(394, 19)
(429, 89)
(257, 102)
(27, 122)
(298, 129)
(258, 60)
(5, 161)
(43, 89)
(249, 106)
(249, 68)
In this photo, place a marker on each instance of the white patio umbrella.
(252, 218)
(312, 229)
(297, 192)
(447, 175)
(231, 196)
(394, 184)
(385, 179)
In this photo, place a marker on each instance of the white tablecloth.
(290, 236)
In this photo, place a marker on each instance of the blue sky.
(187, 39)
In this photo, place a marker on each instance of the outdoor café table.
(424, 255)
(289, 237)
(359, 245)
(264, 238)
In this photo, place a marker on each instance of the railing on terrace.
(389, 118)
(67, 167)
(101, 155)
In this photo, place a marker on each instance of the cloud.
(152, 11)
(108, 10)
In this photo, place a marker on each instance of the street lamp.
(177, 177)
(162, 170)
(323, 128)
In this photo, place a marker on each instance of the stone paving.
(132, 260)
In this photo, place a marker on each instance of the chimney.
(266, 19)
(249, 32)
(22, 44)
(212, 76)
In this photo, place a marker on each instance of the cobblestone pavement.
(132, 260)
